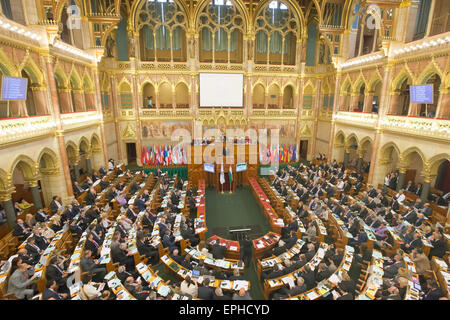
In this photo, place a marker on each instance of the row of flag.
(222, 175)
(280, 153)
(164, 155)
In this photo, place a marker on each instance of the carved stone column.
(402, 166)
(360, 160)
(9, 209)
(346, 157)
(443, 107)
(335, 109)
(368, 100)
(36, 194)
(115, 108)
(39, 100)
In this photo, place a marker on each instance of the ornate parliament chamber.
(224, 150)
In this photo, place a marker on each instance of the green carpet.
(231, 210)
(239, 208)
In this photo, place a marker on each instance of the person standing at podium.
(246, 250)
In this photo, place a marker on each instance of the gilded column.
(384, 105)
(360, 160)
(368, 99)
(59, 129)
(115, 108)
(316, 115)
(138, 121)
(335, 109)
(402, 166)
(99, 111)
(346, 156)
(426, 173)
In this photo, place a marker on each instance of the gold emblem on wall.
(129, 133)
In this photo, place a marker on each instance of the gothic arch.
(132, 20)
(339, 140)
(33, 71)
(401, 76)
(26, 165)
(364, 141)
(408, 152)
(360, 81)
(436, 161)
(238, 3)
(77, 83)
(6, 65)
(349, 139)
(429, 71)
(294, 6)
(384, 149)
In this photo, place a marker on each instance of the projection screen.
(221, 90)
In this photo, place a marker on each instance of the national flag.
(147, 155)
(222, 176)
(230, 173)
(143, 156)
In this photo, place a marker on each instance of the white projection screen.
(221, 90)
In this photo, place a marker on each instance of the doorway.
(303, 149)
(131, 153)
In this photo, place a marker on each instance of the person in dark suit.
(55, 272)
(104, 183)
(134, 187)
(308, 275)
(50, 292)
(121, 255)
(131, 214)
(90, 197)
(432, 292)
(102, 171)
(140, 203)
(93, 245)
(77, 190)
(112, 194)
(21, 230)
(169, 241)
(299, 288)
(344, 295)
(41, 216)
(88, 264)
(218, 251)
(205, 292)
(55, 204)
(33, 250)
(439, 245)
(246, 250)
(41, 241)
(427, 210)
(146, 222)
(146, 249)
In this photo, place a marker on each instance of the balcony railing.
(79, 119)
(16, 129)
(435, 128)
(357, 118)
(165, 113)
(275, 113)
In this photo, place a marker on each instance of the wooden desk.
(442, 274)
(324, 287)
(277, 283)
(182, 272)
(232, 247)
